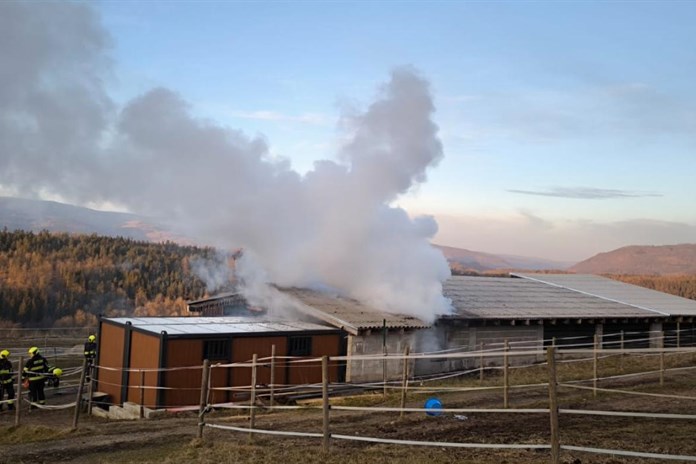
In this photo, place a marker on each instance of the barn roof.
(620, 292)
(508, 298)
(216, 325)
(349, 314)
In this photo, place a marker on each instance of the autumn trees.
(47, 278)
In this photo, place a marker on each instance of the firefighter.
(90, 354)
(35, 371)
(91, 349)
(6, 380)
(53, 378)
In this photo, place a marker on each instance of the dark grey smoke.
(331, 228)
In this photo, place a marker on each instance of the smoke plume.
(333, 227)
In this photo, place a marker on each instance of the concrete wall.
(372, 343)
(452, 338)
(438, 339)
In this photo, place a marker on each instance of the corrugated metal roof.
(508, 298)
(349, 314)
(216, 325)
(613, 290)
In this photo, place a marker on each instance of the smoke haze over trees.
(334, 227)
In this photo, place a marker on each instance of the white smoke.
(216, 272)
(333, 227)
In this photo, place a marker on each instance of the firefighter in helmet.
(90, 355)
(6, 380)
(53, 378)
(35, 371)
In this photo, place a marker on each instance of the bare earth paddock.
(47, 435)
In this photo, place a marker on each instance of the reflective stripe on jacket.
(35, 368)
(5, 371)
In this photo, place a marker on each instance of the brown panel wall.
(110, 358)
(243, 350)
(144, 354)
(328, 345)
(186, 383)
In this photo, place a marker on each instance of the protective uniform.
(91, 349)
(90, 354)
(6, 380)
(35, 371)
(53, 378)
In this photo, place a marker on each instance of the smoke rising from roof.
(330, 228)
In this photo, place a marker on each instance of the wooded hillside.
(67, 280)
(680, 285)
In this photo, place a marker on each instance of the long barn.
(529, 311)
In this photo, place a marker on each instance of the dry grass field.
(46, 435)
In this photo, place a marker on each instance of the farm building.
(170, 352)
(531, 310)
(527, 310)
(367, 330)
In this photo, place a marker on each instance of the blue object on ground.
(432, 406)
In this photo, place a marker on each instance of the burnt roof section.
(196, 326)
(341, 312)
(348, 314)
(509, 298)
(601, 287)
(221, 298)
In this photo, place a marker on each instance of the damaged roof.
(348, 314)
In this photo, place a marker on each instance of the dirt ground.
(46, 435)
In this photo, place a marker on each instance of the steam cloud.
(334, 228)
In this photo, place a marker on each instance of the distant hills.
(643, 260)
(37, 215)
(464, 260)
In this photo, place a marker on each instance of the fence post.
(90, 389)
(678, 334)
(142, 393)
(481, 365)
(662, 368)
(384, 360)
(273, 355)
(621, 358)
(78, 400)
(595, 367)
(506, 376)
(325, 401)
(20, 369)
(553, 406)
(252, 397)
(404, 380)
(204, 397)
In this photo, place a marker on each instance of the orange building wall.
(183, 353)
(144, 354)
(328, 345)
(243, 350)
(110, 361)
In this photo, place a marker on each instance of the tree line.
(61, 279)
(680, 285)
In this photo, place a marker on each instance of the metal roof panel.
(612, 290)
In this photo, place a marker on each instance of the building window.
(300, 346)
(216, 349)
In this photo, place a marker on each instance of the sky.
(567, 128)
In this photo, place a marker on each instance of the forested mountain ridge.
(642, 260)
(67, 280)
